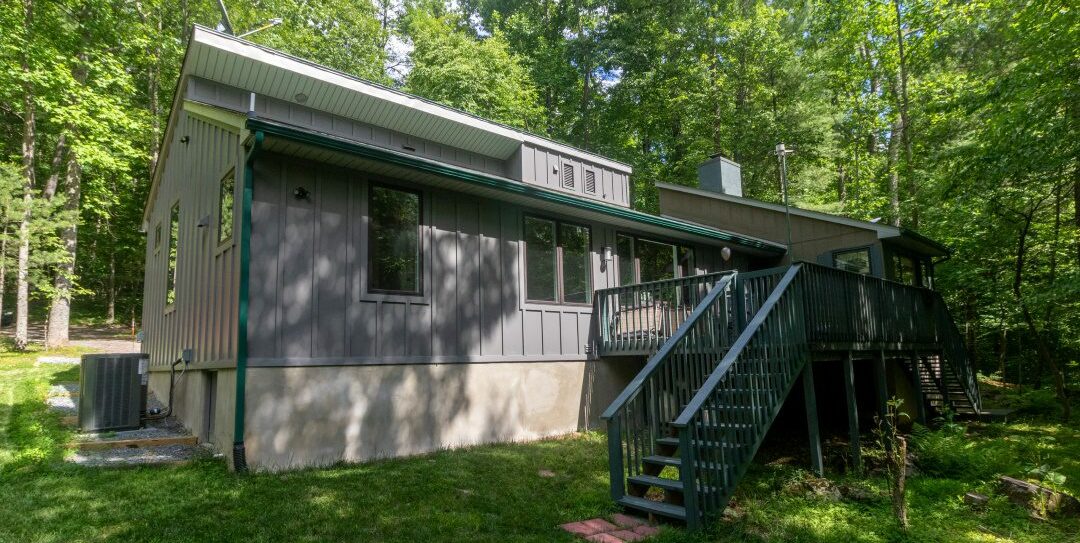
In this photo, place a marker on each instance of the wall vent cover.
(568, 176)
(590, 181)
(110, 391)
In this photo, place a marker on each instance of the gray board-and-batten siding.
(309, 302)
(204, 314)
(314, 311)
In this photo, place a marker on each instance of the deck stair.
(725, 351)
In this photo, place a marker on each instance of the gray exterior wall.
(203, 316)
(309, 298)
(544, 167)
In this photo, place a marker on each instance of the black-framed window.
(394, 247)
(558, 261)
(226, 191)
(904, 270)
(642, 260)
(624, 247)
(174, 241)
(574, 257)
(854, 260)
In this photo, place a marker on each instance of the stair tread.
(677, 512)
(652, 480)
(662, 460)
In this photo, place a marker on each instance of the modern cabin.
(349, 272)
(361, 273)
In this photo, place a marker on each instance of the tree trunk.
(28, 151)
(3, 267)
(894, 170)
(1045, 356)
(110, 315)
(60, 311)
(905, 119)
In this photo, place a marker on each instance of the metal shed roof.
(901, 236)
(239, 63)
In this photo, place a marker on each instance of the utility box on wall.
(111, 391)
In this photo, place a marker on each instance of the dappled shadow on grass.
(490, 493)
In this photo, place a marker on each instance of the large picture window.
(225, 206)
(174, 239)
(557, 261)
(394, 241)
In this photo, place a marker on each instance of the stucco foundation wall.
(303, 416)
(190, 404)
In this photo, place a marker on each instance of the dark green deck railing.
(811, 307)
(638, 319)
(659, 391)
(733, 360)
(723, 425)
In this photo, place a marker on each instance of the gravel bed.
(165, 454)
(64, 389)
(169, 427)
(65, 405)
(58, 360)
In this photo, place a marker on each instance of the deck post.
(853, 411)
(816, 463)
(881, 387)
(920, 398)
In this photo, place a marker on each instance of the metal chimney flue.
(721, 175)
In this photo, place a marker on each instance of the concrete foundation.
(305, 416)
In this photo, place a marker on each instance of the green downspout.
(239, 455)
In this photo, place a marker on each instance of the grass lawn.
(491, 493)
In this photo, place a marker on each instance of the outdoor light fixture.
(300, 193)
(300, 98)
(726, 253)
(203, 222)
(607, 254)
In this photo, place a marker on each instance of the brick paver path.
(620, 529)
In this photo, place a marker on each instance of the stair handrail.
(699, 508)
(736, 349)
(633, 388)
(953, 341)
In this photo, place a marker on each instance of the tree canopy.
(959, 119)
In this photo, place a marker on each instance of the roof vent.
(719, 174)
(568, 176)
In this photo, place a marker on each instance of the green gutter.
(309, 137)
(239, 452)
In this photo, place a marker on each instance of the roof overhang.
(895, 235)
(324, 148)
(238, 63)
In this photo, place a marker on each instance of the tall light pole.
(782, 153)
